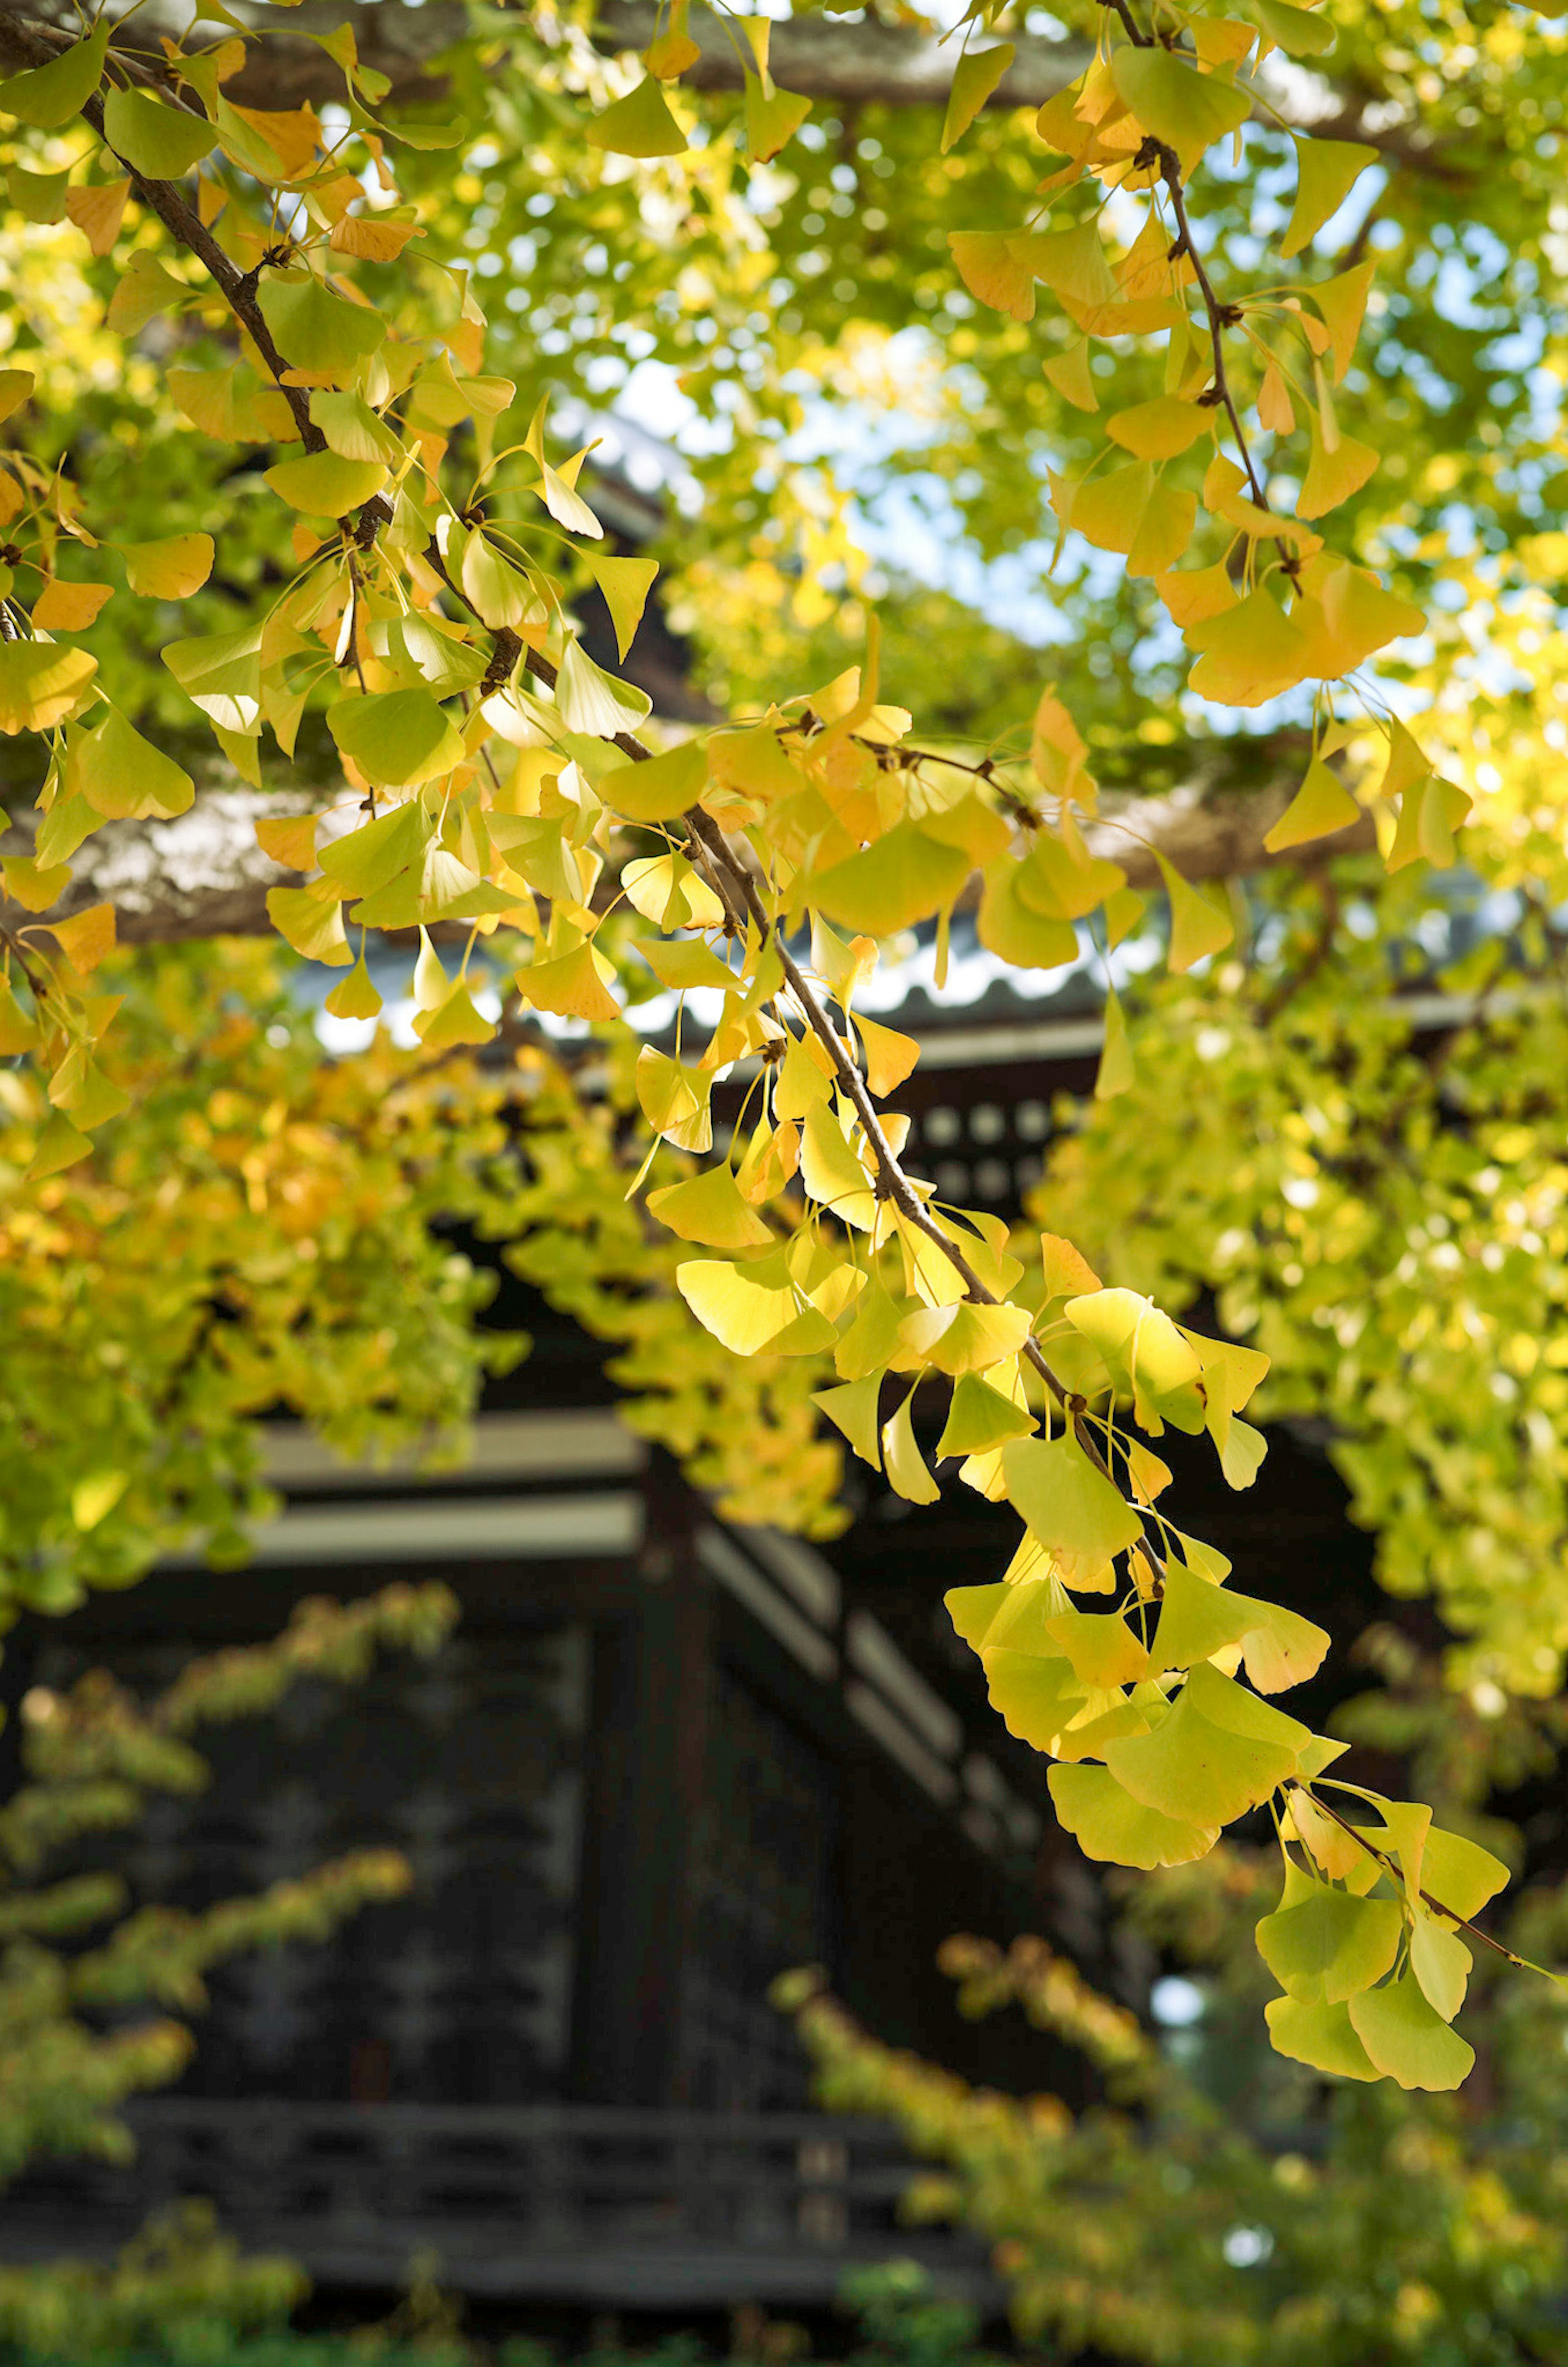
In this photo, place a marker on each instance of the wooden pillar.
(650, 1718)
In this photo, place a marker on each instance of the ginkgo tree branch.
(869, 64)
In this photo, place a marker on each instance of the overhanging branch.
(865, 65)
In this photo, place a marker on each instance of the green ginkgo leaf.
(1109, 1824)
(47, 96)
(317, 331)
(163, 142)
(323, 484)
(1327, 171)
(1177, 105)
(1322, 2036)
(1217, 1753)
(1074, 1509)
(398, 737)
(1406, 2037)
(638, 125)
(1330, 1945)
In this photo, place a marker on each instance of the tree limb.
(864, 64)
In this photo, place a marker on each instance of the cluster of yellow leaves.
(494, 784)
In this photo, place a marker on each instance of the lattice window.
(762, 1856)
(985, 1152)
(471, 1767)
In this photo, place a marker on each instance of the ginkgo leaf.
(18, 1030)
(319, 332)
(1109, 1824)
(59, 1144)
(1328, 1945)
(1342, 302)
(1296, 31)
(1070, 1506)
(1013, 930)
(1217, 1753)
(397, 738)
(575, 985)
(904, 877)
(890, 1056)
(1199, 927)
(709, 1208)
(1322, 2036)
(902, 1460)
(1164, 530)
(171, 569)
(1460, 1872)
(684, 964)
(594, 701)
(625, 585)
(1117, 1073)
(33, 885)
(773, 117)
(1102, 1647)
(1429, 816)
(1145, 1356)
(1248, 653)
(163, 142)
(991, 271)
(1332, 476)
(365, 859)
(1159, 429)
(1034, 1698)
(1062, 883)
(638, 125)
(1177, 105)
(674, 1099)
(1327, 171)
(1070, 374)
(62, 607)
(355, 996)
(666, 786)
(980, 1418)
(1440, 1962)
(1407, 2038)
(852, 1407)
(41, 683)
(1320, 807)
(310, 920)
(1072, 262)
(49, 95)
(966, 1338)
(974, 78)
(453, 1020)
(323, 484)
(123, 775)
(38, 197)
(972, 1609)
(1197, 1620)
(15, 386)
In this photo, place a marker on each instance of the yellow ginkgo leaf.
(170, 570)
(1320, 807)
(709, 1208)
(1332, 476)
(974, 78)
(576, 985)
(1327, 171)
(1198, 925)
(1158, 430)
(902, 1459)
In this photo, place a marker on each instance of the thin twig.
(1291, 1784)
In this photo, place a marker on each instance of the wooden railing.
(608, 2209)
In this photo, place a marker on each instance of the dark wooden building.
(663, 1759)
